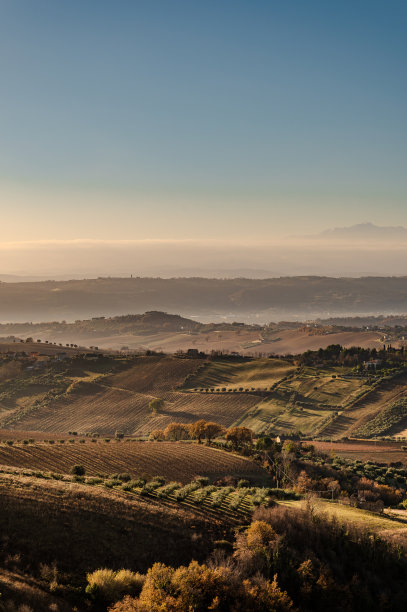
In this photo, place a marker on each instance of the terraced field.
(366, 408)
(250, 374)
(268, 395)
(173, 460)
(304, 402)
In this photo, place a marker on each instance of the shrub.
(166, 490)
(243, 483)
(236, 498)
(110, 483)
(202, 494)
(183, 493)
(200, 588)
(219, 497)
(156, 404)
(202, 480)
(94, 481)
(107, 586)
(78, 470)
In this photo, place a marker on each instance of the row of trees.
(208, 430)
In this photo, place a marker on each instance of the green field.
(306, 401)
(347, 514)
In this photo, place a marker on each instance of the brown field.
(154, 374)
(115, 530)
(294, 341)
(244, 341)
(178, 461)
(106, 410)
(380, 452)
(38, 436)
(119, 402)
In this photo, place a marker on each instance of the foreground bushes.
(106, 586)
(285, 560)
(200, 588)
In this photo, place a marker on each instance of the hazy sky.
(128, 119)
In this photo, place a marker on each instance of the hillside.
(160, 331)
(112, 394)
(178, 461)
(115, 530)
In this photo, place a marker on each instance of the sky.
(204, 120)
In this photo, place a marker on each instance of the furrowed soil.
(178, 461)
(379, 452)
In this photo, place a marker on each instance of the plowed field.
(172, 460)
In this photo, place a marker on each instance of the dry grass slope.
(115, 530)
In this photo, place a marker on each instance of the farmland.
(269, 396)
(250, 374)
(106, 402)
(377, 451)
(174, 461)
(304, 402)
(116, 530)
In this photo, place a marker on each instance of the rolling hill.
(254, 300)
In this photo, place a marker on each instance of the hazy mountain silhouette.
(365, 231)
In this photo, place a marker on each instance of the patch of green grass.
(348, 514)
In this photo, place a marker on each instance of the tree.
(239, 436)
(213, 430)
(197, 430)
(201, 588)
(157, 434)
(156, 404)
(106, 586)
(176, 431)
(78, 470)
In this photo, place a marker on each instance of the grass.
(347, 514)
(305, 401)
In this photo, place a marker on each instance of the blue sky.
(200, 119)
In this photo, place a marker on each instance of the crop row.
(175, 461)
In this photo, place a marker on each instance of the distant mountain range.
(365, 231)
